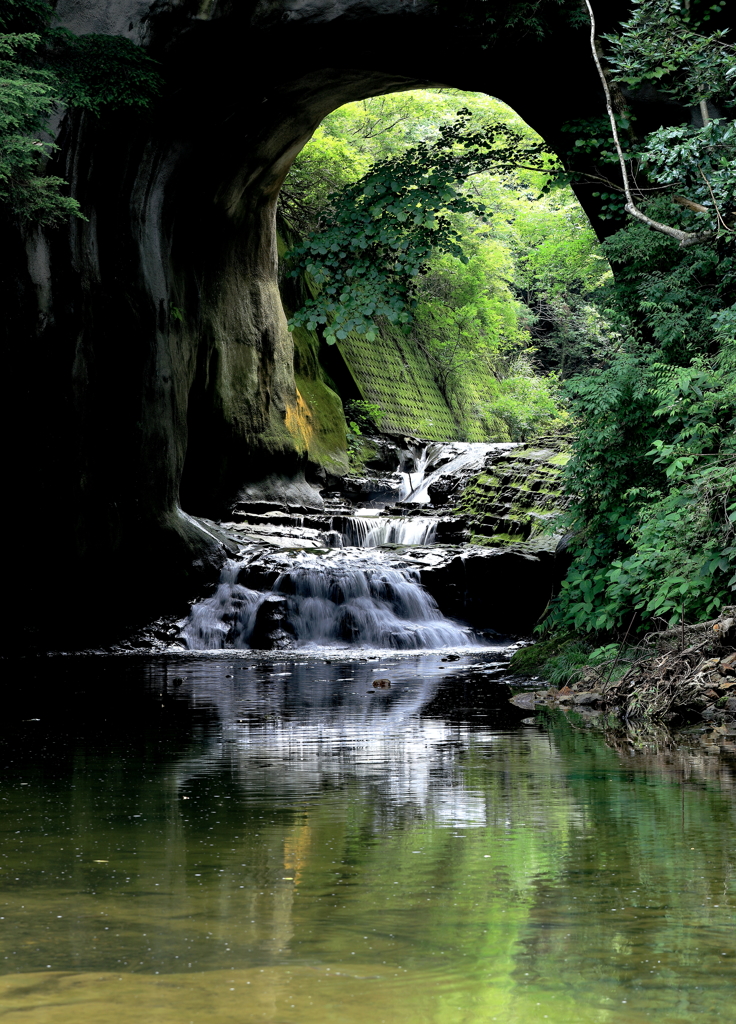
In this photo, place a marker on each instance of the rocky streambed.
(676, 675)
(431, 545)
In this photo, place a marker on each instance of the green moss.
(516, 498)
(560, 659)
(360, 450)
(495, 540)
(561, 459)
(394, 374)
(324, 427)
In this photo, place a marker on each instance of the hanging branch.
(685, 238)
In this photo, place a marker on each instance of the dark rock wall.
(148, 364)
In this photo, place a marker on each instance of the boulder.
(272, 630)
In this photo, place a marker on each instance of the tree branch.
(696, 207)
(685, 238)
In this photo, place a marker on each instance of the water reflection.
(224, 840)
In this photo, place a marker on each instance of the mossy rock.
(560, 659)
(517, 496)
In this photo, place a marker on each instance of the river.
(229, 837)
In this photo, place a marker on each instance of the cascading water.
(379, 607)
(363, 532)
(370, 605)
(227, 618)
(422, 457)
(415, 530)
(470, 456)
(346, 597)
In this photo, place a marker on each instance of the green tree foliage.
(328, 164)
(28, 95)
(563, 278)
(665, 47)
(666, 44)
(513, 20)
(383, 229)
(485, 310)
(41, 71)
(653, 477)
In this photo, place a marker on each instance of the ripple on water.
(268, 842)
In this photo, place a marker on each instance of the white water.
(409, 530)
(361, 532)
(373, 606)
(362, 603)
(411, 481)
(227, 618)
(472, 456)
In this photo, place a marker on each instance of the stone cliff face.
(147, 346)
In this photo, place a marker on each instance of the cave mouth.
(415, 381)
(160, 375)
(249, 414)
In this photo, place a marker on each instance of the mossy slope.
(394, 374)
(516, 496)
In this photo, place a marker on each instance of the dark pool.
(194, 839)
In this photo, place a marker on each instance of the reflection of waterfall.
(328, 603)
(288, 730)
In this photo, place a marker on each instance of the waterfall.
(471, 456)
(407, 530)
(363, 532)
(227, 618)
(422, 458)
(345, 597)
(370, 605)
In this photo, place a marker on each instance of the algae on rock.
(516, 497)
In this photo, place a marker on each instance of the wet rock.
(282, 491)
(529, 701)
(591, 697)
(373, 487)
(443, 489)
(516, 496)
(272, 630)
(506, 589)
(381, 684)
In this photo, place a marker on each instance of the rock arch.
(151, 337)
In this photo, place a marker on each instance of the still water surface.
(269, 842)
